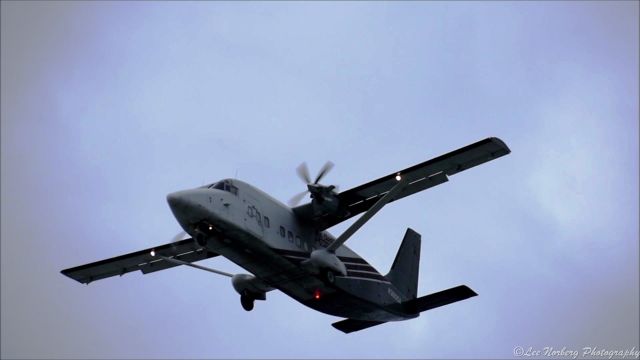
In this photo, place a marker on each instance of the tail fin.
(404, 271)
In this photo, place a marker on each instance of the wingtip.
(67, 273)
(501, 144)
(338, 328)
(469, 291)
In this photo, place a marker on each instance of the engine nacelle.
(324, 199)
(249, 285)
(322, 259)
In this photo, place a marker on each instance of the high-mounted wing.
(185, 251)
(419, 177)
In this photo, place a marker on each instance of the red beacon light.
(316, 295)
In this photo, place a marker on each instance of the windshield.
(224, 186)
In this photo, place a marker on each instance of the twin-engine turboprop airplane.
(289, 249)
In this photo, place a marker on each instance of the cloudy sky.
(107, 107)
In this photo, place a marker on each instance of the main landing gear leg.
(247, 302)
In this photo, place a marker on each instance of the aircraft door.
(253, 218)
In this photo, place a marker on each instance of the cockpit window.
(218, 185)
(225, 186)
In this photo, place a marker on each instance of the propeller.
(303, 173)
(180, 236)
(295, 200)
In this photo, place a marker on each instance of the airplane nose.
(189, 207)
(176, 200)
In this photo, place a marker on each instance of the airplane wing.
(185, 250)
(420, 177)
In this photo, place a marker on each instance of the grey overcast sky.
(107, 107)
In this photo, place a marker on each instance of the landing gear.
(203, 232)
(247, 302)
(329, 277)
(201, 239)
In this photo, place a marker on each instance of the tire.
(329, 277)
(247, 302)
(201, 239)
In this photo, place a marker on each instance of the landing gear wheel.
(247, 302)
(201, 239)
(329, 277)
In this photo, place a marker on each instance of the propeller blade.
(323, 171)
(297, 198)
(303, 173)
(180, 236)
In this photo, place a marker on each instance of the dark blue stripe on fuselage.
(356, 267)
(306, 255)
(366, 275)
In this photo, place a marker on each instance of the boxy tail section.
(413, 306)
(404, 271)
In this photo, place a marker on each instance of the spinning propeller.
(182, 235)
(314, 188)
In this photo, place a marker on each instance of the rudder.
(404, 271)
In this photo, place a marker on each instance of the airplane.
(289, 249)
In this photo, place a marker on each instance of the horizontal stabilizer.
(186, 250)
(444, 297)
(351, 325)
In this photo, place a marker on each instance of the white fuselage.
(264, 236)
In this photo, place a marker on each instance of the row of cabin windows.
(289, 235)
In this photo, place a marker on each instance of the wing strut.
(180, 262)
(368, 214)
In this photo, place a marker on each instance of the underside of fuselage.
(352, 296)
(283, 272)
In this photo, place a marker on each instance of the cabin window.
(266, 222)
(290, 236)
(282, 231)
(298, 241)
